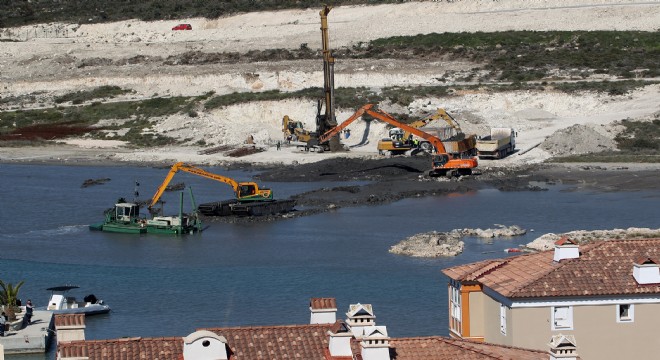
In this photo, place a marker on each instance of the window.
(503, 319)
(625, 313)
(562, 318)
(455, 309)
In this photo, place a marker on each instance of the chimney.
(323, 310)
(360, 317)
(73, 352)
(566, 248)
(70, 327)
(339, 343)
(375, 344)
(204, 345)
(646, 271)
(563, 347)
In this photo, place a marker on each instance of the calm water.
(264, 273)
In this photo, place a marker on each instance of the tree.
(9, 297)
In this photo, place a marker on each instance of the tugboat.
(125, 217)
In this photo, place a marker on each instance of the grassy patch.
(640, 136)
(102, 92)
(530, 55)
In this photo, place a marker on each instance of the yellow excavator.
(294, 130)
(443, 162)
(250, 198)
(456, 142)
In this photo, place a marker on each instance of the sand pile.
(577, 139)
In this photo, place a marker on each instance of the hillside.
(147, 61)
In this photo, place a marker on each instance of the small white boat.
(59, 303)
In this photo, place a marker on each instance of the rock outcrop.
(434, 244)
(547, 241)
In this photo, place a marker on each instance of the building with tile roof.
(605, 294)
(327, 341)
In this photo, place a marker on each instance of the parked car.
(182, 27)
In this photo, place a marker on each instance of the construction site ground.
(51, 60)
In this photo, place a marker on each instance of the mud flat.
(547, 241)
(435, 244)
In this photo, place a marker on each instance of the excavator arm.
(337, 129)
(245, 191)
(443, 163)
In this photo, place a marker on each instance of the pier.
(27, 339)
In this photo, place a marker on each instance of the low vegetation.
(102, 92)
(16, 13)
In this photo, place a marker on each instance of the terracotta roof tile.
(125, 349)
(443, 348)
(276, 342)
(603, 268)
(323, 303)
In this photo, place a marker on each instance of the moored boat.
(60, 303)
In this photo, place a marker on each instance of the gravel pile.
(577, 139)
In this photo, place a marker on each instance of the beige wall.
(477, 313)
(492, 331)
(597, 332)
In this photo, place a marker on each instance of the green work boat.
(125, 218)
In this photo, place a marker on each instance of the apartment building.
(605, 294)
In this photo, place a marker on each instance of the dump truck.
(500, 143)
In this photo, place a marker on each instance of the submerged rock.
(431, 244)
(434, 244)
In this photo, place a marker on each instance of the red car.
(182, 27)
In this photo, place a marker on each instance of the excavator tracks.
(236, 208)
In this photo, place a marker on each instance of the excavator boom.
(245, 191)
(442, 162)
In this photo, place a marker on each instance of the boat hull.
(119, 228)
(87, 310)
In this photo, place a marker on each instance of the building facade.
(605, 294)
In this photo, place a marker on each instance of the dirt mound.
(577, 139)
(350, 169)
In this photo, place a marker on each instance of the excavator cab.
(246, 190)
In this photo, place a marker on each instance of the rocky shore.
(547, 241)
(435, 244)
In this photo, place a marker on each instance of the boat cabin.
(127, 212)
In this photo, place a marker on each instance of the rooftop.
(603, 268)
(308, 342)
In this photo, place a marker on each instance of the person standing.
(278, 145)
(3, 321)
(29, 310)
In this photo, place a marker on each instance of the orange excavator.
(442, 164)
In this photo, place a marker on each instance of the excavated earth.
(393, 179)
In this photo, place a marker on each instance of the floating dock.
(29, 339)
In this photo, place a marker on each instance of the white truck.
(500, 143)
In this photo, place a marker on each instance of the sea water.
(264, 273)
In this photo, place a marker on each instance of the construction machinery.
(295, 131)
(324, 121)
(500, 143)
(453, 138)
(250, 198)
(443, 163)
